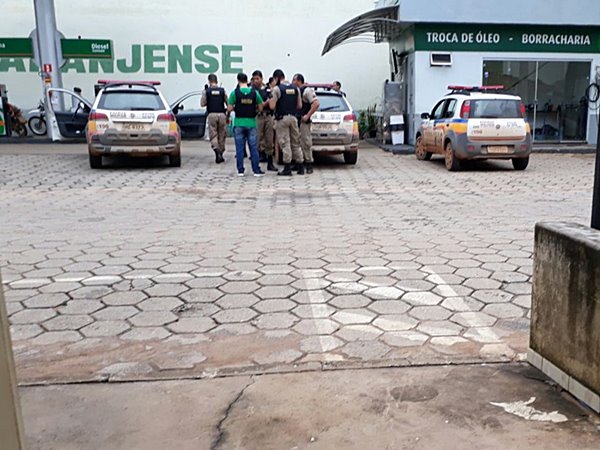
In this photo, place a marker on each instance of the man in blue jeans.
(246, 102)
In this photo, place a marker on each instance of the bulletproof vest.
(245, 104)
(215, 100)
(305, 106)
(287, 103)
(265, 93)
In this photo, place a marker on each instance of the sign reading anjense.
(146, 58)
(514, 38)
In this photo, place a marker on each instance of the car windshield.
(495, 109)
(330, 102)
(131, 101)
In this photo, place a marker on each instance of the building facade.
(547, 52)
(180, 42)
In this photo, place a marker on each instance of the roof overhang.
(375, 26)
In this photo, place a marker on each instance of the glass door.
(553, 93)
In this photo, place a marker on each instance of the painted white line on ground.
(446, 291)
(316, 299)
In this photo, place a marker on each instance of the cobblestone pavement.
(147, 271)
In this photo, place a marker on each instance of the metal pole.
(11, 423)
(48, 44)
(596, 198)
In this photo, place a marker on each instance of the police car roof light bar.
(327, 86)
(468, 89)
(123, 82)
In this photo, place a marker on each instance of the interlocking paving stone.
(160, 304)
(105, 328)
(358, 333)
(422, 298)
(389, 306)
(32, 316)
(153, 318)
(240, 287)
(67, 322)
(201, 295)
(237, 315)
(274, 321)
(21, 332)
(429, 313)
(166, 290)
(503, 310)
(275, 292)
(124, 298)
(350, 301)
(492, 296)
(228, 301)
(234, 329)
(461, 304)
(205, 282)
(404, 338)
(274, 305)
(395, 322)
(115, 313)
(473, 319)
(319, 344)
(46, 301)
(439, 328)
(90, 292)
(316, 326)
(366, 350)
(384, 293)
(146, 334)
(284, 357)
(54, 337)
(315, 311)
(192, 325)
(81, 307)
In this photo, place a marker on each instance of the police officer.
(310, 104)
(286, 102)
(264, 120)
(214, 99)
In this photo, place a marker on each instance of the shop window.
(553, 93)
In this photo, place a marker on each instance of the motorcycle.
(18, 123)
(37, 120)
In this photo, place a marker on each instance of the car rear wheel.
(420, 152)
(175, 160)
(452, 163)
(520, 163)
(350, 157)
(95, 162)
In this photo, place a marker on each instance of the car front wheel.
(520, 163)
(175, 160)
(95, 162)
(350, 157)
(420, 152)
(452, 163)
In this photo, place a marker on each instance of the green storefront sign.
(71, 48)
(86, 48)
(506, 38)
(16, 48)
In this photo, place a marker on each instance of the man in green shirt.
(246, 102)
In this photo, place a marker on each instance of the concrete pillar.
(11, 425)
(48, 44)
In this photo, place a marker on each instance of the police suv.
(476, 123)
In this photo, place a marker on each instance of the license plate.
(498, 149)
(134, 126)
(324, 126)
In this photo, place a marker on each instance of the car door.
(442, 126)
(189, 115)
(70, 110)
(429, 132)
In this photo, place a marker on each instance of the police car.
(132, 118)
(334, 127)
(475, 123)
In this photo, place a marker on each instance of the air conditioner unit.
(440, 59)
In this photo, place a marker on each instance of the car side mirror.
(425, 115)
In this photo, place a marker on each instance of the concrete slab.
(408, 408)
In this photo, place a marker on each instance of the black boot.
(216, 155)
(263, 157)
(309, 167)
(295, 166)
(270, 165)
(300, 168)
(287, 171)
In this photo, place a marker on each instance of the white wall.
(467, 69)
(274, 34)
(544, 12)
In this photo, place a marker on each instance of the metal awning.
(374, 26)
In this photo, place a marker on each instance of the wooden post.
(11, 423)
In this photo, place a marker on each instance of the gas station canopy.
(374, 26)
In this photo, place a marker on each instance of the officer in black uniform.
(214, 98)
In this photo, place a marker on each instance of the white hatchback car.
(476, 123)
